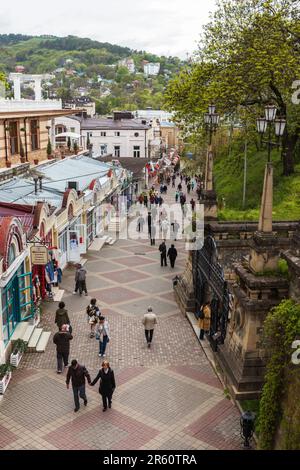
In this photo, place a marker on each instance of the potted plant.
(49, 150)
(8, 163)
(18, 350)
(36, 161)
(75, 147)
(5, 376)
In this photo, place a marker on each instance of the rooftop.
(104, 123)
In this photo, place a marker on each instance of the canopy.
(72, 135)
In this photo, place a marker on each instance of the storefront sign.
(39, 255)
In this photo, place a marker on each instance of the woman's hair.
(105, 363)
(61, 305)
(93, 301)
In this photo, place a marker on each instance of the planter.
(23, 160)
(16, 358)
(50, 157)
(4, 382)
(36, 162)
(8, 164)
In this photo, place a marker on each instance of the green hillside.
(229, 177)
(83, 61)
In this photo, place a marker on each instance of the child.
(93, 314)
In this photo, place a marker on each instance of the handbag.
(97, 336)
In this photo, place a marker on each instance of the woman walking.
(107, 384)
(204, 320)
(93, 313)
(102, 333)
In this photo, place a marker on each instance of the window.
(34, 134)
(136, 151)
(90, 134)
(117, 151)
(72, 129)
(117, 134)
(103, 149)
(13, 137)
(103, 134)
(136, 134)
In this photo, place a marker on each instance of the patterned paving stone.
(167, 397)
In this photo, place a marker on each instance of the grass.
(229, 174)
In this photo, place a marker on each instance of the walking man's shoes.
(85, 402)
(149, 344)
(76, 409)
(104, 409)
(109, 405)
(58, 372)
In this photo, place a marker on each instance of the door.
(81, 230)
(25, 296)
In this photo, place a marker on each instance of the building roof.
(135, 165)
(111, 124)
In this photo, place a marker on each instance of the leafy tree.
(248, 57)
(49, 147)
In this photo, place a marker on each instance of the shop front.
(15, 280)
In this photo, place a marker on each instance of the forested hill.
(84, 66)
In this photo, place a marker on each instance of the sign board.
(39, 255)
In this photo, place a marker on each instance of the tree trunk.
(288, 149)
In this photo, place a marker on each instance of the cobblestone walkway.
(167, 397)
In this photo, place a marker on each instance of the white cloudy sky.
(169, 27)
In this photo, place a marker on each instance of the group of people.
(164, 254)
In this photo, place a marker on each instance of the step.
(97, 244)
(112, 242)
(108, 240)
(43, 341)
(28, 333)
(19, 331)
(35, 338)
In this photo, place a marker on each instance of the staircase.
(36, 338)
(115, 225)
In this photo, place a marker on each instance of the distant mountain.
(82, 65)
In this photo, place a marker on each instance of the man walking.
(62, 340)
(80, 280)
(149, 321)
(77, 374)
(163, 254)
(172, 255)
(152, 234)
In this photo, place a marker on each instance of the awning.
(72, 135)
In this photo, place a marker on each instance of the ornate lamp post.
(211, 121)
(265, 123)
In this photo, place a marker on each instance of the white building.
(128, 63)
(152, 68)
(150, 114)
(120, 136)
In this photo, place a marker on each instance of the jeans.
(149, 335)
(82, 287)
(172, 261)
(102, 345)
(201, 334)
(81, 392)
(60, 358)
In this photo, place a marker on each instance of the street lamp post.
(211, 121)
(265, 123)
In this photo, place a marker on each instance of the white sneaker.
(103, 355)
(99, 355)
(74, 292)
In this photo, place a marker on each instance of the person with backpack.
(93, 314)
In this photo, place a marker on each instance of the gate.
(208, 277)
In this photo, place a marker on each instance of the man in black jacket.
(77, 374)
(62, 340)
(107, 384)
(172, 255)
(163, 254)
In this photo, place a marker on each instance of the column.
(52, 134)
(265, 219)
(17, 88)
(38, 89)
